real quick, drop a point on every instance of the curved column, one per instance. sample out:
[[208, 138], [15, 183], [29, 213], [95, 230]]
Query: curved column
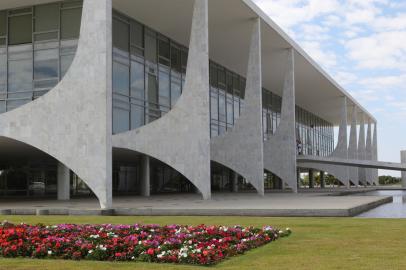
[[352, 147], [241, 148], [368, 152], [181, 138], [341, 150], [72, 122], [375, 176], [361, 151], [280, 149]]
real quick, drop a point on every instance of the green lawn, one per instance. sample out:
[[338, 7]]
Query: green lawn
[[316, 243]]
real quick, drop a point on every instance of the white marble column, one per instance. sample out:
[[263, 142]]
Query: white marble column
[[63, 182], [145, 183], [368, 152], [245, 139], [280, 149], [352, 147]]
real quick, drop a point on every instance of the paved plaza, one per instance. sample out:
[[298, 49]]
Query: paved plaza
[[250, 204]]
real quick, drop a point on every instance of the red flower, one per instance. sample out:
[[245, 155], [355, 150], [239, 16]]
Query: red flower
[[150, 251]]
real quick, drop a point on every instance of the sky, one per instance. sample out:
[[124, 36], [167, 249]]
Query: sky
[[362, 45]]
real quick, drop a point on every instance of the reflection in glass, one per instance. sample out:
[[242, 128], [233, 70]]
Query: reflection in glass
[[164, 89], [20, 72], [46, 64]]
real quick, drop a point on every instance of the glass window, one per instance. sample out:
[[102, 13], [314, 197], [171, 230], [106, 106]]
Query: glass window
[[150, 46], [230, 113], [221, 78], [184, 56], [175, 59], [46, 64], [213, 75], [20, 29], [137, 80], [222, 107], [164, 89], [46, 18], [121, 79], [137, 34], [164, 51], [70, 23], [153, 112], [20, 71], [66, 61], [137, 116], [137, 94], [3, 23], [121, 120], [3, 74], [121, 36], [2, 106], [67, 51], [236, 108], [229, 82], [176, 88], [214, 105]]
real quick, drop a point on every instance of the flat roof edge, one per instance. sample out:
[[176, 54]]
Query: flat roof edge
[[302, 52]]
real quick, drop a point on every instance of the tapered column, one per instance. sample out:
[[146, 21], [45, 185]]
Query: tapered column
[[181, 138], [72, 122], [341, 150], [280, 149], [368, 152], [403, 161], [352, 147], [145, 176], [245, 139], [63, 182], [361, 150]]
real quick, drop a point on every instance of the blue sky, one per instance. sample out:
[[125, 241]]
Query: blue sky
[[362, 44]]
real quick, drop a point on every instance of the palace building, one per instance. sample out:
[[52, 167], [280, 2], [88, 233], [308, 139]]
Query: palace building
[[141, 97]]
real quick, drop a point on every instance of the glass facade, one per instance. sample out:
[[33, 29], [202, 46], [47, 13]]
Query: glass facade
[[314, 135], [37, 46], [148, 75]]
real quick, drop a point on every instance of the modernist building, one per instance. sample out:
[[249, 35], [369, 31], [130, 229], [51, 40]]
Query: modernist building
[[154, 96]]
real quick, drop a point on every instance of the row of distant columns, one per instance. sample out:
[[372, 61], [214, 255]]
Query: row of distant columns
[[365, 150]]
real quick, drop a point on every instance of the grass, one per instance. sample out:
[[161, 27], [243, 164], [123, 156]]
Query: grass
[[316, 243]]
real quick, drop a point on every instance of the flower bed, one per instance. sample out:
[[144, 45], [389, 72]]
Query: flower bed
[[201, 244]]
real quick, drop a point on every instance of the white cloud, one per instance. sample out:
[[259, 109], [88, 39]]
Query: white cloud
[[379, 51], [289, 13], [326, 58], [395, 82], [345, 78]]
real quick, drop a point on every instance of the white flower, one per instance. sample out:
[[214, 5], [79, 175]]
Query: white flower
[[94, 236], [49, 252], [132, 258], [90, 251], [101, 247]]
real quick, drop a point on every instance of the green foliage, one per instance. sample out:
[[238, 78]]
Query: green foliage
[[389, 180]]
